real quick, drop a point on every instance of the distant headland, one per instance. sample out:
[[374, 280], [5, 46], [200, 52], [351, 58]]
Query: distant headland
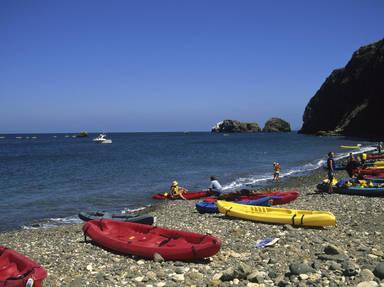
[[235, 126]]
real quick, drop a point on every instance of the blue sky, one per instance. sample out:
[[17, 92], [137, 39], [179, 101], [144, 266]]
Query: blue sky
[[171, 65]]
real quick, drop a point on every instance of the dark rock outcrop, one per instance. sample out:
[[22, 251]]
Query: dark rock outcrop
[[276, 125], [233, 126], [350, 102]]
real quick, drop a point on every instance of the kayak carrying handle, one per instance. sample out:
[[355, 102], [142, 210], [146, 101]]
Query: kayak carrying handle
[[228, 210]]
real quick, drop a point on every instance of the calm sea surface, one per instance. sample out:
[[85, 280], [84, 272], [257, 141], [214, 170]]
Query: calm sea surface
[[48, 180]]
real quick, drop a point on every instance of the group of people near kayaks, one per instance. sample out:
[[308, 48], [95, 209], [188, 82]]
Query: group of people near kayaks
[[365, 171], [136, 234]]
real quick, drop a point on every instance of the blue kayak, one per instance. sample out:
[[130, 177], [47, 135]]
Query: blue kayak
[[210, 207], [355, 190]]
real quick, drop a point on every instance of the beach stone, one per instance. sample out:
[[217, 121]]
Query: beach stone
[[288, 227], [250, 284], [303, 276], [158, 258], [228, 274], [77, 282], [214, 283], [366, 275], [151, 275], [350, 269], [243, 270], [367, 284], [195, 276], [236, 281], [178, 277], [256, 277], [337, 258], [334, 265], [217, 276], [139, 278], [333, 250], [161, 284], [379, 270], [300, 268]]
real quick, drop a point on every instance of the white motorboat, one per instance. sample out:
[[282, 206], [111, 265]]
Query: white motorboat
[[102, 138], [107, 141]]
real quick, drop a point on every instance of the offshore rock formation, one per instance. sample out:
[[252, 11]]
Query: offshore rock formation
[[276, 125], [233, 126], [350, 101]]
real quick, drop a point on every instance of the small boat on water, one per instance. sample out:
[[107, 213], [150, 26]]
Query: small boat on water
[[143, 219], [17, 270], [102, 139]]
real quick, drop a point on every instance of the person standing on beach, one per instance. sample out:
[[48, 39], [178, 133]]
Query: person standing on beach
[[331, 171], [276, 173], [215, 187]]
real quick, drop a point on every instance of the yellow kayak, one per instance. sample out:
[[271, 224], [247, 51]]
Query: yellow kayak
[[351, 146], [378, 163], [277, 215]]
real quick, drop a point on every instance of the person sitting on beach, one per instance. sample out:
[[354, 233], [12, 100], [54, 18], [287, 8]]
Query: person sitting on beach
[[276, 168], [352, 165], [177, 191], [331, 171], [215, 187]]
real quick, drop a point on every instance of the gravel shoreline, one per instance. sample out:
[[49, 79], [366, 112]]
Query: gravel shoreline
[[350, 254]]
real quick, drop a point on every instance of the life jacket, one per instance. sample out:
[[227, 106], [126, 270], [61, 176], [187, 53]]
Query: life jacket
[[174, 190], [364, 156], [348, 184], [334, 181], [277, 167]]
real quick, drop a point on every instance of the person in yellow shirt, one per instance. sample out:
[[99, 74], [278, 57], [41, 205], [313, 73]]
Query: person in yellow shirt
[[177, 191], [363, 157]]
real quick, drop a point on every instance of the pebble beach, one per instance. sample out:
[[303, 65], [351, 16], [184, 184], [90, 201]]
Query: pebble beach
[[349, 254]]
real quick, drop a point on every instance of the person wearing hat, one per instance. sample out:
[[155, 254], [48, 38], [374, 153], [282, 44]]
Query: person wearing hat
[[331, 171], [215, 187], [276, 173], [177, 191]]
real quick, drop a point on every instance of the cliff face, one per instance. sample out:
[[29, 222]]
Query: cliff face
[[233, 126], [350, 101], [276, 125]]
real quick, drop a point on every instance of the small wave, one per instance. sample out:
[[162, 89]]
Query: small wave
[[74, 219], [53, 222], [134, 210]]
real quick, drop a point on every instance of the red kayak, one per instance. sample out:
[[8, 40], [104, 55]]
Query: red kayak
[[282, 197], [375, 156], [16, 270], [144, 240], [369, 171], [187, 195]]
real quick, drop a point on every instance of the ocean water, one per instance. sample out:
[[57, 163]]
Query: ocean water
[[47, 180]]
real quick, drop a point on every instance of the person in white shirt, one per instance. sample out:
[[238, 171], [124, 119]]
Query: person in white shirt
[[215, 187]]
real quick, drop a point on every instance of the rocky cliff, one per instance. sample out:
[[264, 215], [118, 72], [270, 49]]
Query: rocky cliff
[[350, 101], [276, 125], [233, 126]]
